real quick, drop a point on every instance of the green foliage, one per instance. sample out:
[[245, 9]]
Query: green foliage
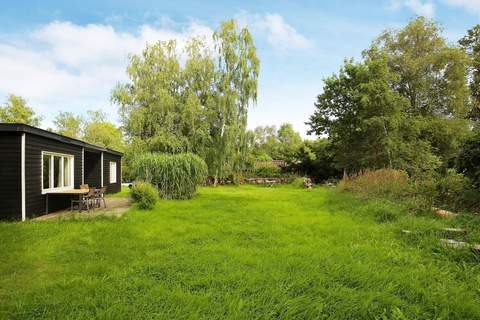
[[403, 106], [468, 161], [17, 111], [471, 43], [95, 129], [68, 124], [176, 176], [144, 195], [316, 160], [452, 191], [455, 192], [266, 170], [298, 182], [362, 116], [104, 134], [199, 106], [269, 143]]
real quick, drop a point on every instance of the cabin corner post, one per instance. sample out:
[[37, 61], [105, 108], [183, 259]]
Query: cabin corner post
[[83, 166], [24, 211], [101, 169]]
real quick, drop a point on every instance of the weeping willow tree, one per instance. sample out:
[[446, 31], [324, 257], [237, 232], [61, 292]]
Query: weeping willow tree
[[192, 100], [236, 85]]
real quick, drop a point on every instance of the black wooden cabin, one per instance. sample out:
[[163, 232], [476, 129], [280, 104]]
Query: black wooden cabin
[[34, 162]]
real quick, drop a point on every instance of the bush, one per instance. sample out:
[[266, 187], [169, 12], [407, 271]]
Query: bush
[[451, 191], [468, 161], [176, 176], [267, 170], [298, 182], [456, 192], [383, 182], [144, 194]]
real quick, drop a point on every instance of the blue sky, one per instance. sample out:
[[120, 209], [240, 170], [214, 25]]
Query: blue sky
[[68, 55]]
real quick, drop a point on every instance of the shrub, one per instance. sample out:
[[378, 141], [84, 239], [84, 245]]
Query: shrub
[[267, 170], [451, 191], [455, 191], [383, 182], [176, 176], [468, 161], [144, 194], [298, 182]]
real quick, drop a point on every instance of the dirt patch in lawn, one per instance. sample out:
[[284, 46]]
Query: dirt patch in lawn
[[116, 207]]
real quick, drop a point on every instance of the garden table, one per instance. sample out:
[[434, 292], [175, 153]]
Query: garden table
[[73, 192]]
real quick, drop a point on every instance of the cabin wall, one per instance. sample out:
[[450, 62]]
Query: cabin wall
[[93, 172], [112, 187], [35, 201], [10, 176]]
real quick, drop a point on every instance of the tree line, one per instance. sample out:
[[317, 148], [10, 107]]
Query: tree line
[[412, 102]]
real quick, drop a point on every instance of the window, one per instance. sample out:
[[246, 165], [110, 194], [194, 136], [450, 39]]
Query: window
[[113, 172], [57, 171]]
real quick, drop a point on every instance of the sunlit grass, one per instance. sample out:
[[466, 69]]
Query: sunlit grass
[[242, 253]]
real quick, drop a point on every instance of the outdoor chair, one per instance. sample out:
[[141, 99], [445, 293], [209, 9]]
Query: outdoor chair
[[84, 201], [99, 197]]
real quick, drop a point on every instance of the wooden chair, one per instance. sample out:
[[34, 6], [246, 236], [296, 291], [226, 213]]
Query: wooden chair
[[84, 201], [100, 196], [103, 191]]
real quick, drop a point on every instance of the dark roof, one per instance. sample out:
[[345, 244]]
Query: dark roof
[[18, 127]]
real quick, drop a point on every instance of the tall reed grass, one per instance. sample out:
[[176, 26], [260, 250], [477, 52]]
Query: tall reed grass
[[176, 176]]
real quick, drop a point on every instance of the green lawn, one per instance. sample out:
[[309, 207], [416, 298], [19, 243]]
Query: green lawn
[[239, 253]]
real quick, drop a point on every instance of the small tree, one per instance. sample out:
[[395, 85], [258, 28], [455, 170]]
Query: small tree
[[68, 124], [99, 131], [17, 111]]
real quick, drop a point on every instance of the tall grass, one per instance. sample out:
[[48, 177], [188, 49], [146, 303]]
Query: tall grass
[[451, 191], [240, 253], [385, 182], [176, 176]]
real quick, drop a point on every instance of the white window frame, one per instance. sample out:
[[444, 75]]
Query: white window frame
[[110, 172], [51, 165]]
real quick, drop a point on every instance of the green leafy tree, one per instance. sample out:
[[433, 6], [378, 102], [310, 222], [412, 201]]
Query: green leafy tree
[[290, 142], [270, 143], [101, 132], [361, 115], [68, 124], [17, 111], [315, 159], [403, 106], [432, 75], [200, 106], [471, 43], [264, 145]]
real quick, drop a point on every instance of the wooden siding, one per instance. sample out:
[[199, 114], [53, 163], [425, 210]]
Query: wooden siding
[[10, 176], [93, 172], [112, 187], [35, 201]]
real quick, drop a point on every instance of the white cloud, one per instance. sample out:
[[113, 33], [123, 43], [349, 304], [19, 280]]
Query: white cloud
[[278, 33], [419, 7], [64, 66], [472, 6]]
